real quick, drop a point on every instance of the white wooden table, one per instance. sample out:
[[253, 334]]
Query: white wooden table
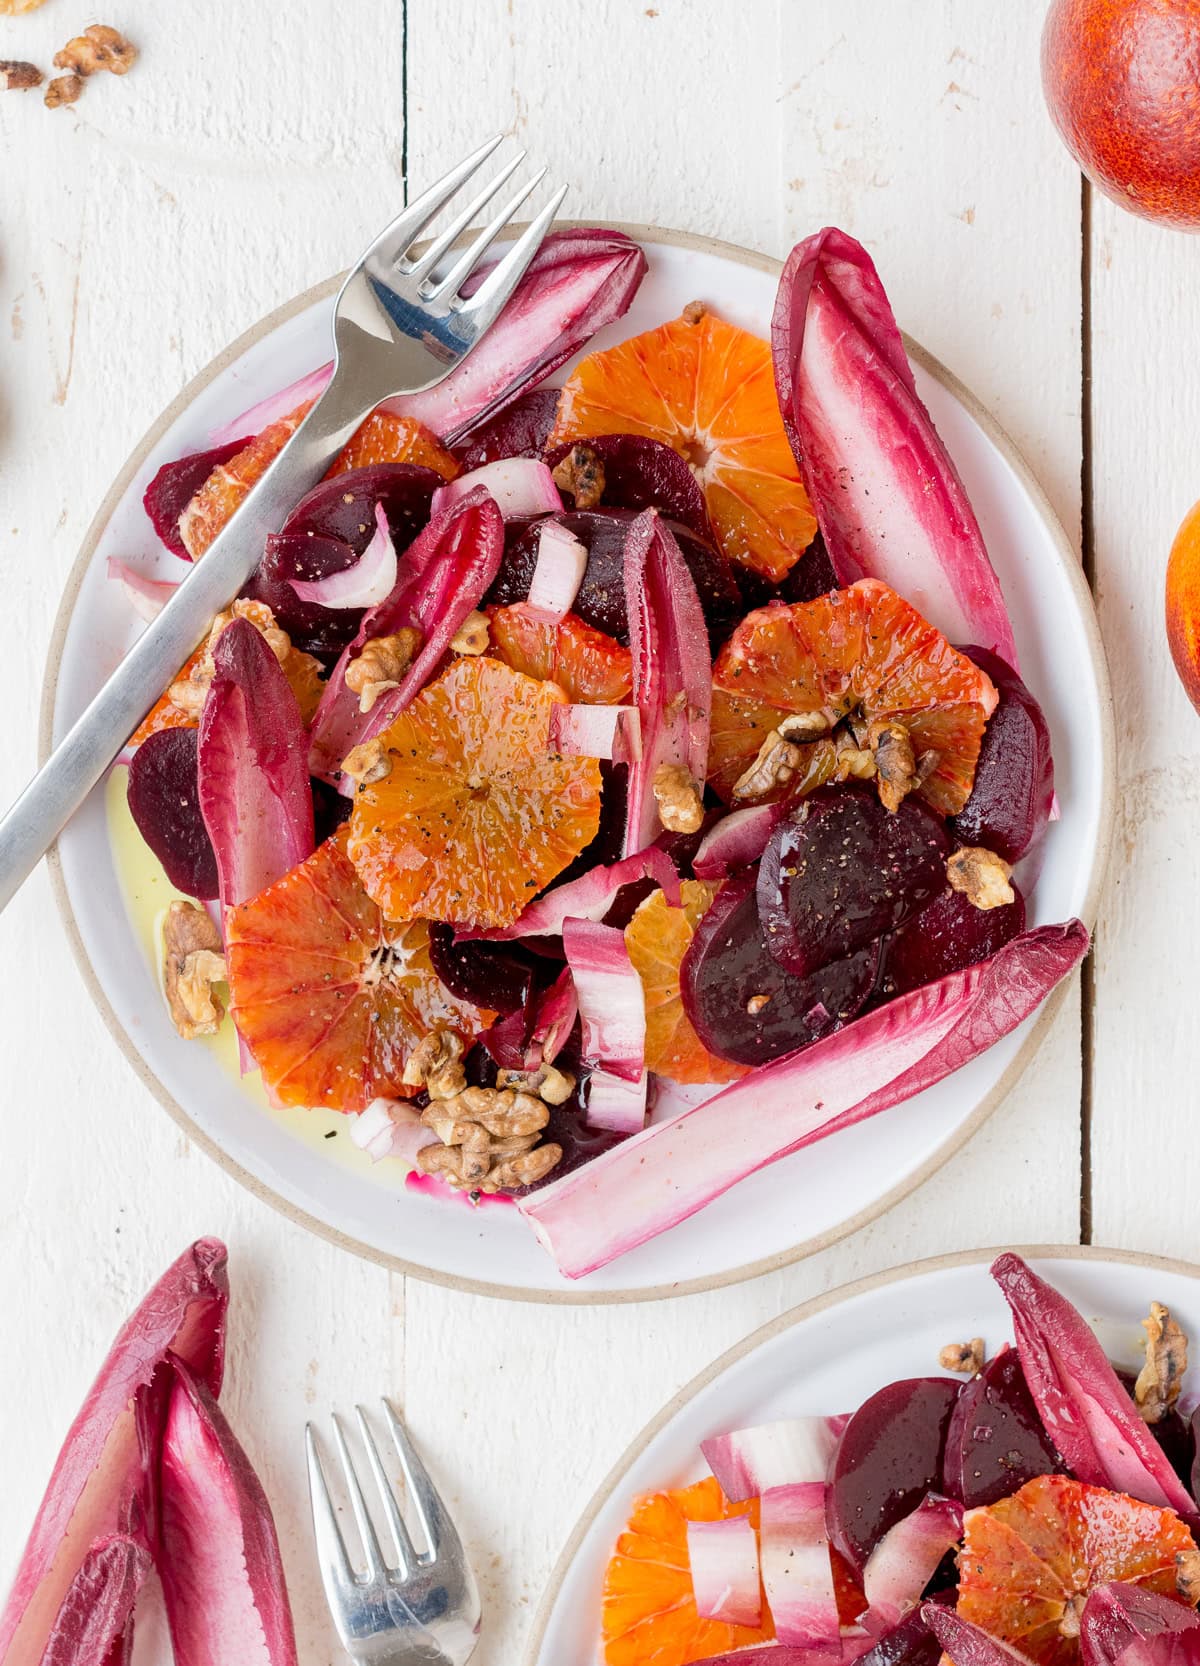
[[254, 146]]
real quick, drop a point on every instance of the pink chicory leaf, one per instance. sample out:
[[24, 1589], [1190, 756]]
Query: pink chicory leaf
[[764, 1654], [442, 576], [967, 1644], [222, 1576], [589, 897], [723, 1556], [905, 1559], [95, 1618], [614, 1102], [1123, 1625], [747, 1462], [797, 1573], [1085, 1411], [255, 794], [366, 583], [672, 670], [554, 1020], [275, 406], [146, 596], [612, 1005], [889, 500], [736, 840], [519, 486], [390, 1128], [642, 1187], [100, 1468], [595, 731], [557, 573]]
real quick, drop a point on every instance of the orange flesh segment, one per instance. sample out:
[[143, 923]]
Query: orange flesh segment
[[1028, 1562], [707, 389], [229, 483], [864, 651], [303, 672], [657, 939], [649, 1614], [476, 814], [329, 996], [590, 667], [387, 438]]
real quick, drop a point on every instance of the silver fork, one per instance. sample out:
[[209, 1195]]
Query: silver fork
[[397, 328], [423, 1608]]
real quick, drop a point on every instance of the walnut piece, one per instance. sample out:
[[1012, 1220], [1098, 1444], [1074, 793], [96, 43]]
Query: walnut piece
[[435, 1064], [380, 666], [1187, 1574], [895, 762], [966, 1357], [489, 1140], [981, 876], [193, 963], [553, 1086], [694, 312], [188, 694], [776, 763], [581, 473], [472, 636], [16, 76], [64, 89], [852, 760], [756, 1003], [680, 807], [367, 762], [99, 47], [1161, 1378]]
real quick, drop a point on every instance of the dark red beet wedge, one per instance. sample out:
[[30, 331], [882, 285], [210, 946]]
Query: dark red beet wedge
[[948, 934], [995, 1441], [176, 484], [812, 576], [840, 870], [888, 1459], [1014, 777], [641, 473], [344, 507], [727, 971], [164, 801], [911, 1643], [500, 976], [330, 809], [519, 430], [323, 631]]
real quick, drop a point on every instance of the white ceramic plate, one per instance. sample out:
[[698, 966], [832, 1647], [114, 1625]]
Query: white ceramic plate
[[833, 1187], [827, 1356]]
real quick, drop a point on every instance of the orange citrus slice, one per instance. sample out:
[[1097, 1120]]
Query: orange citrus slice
[[657, 939], [1028, 1562], [229, 483], [476, 814], [707, 389], [862, 653], [590, 667], [387, 438], [649, 1615], [329, 996]]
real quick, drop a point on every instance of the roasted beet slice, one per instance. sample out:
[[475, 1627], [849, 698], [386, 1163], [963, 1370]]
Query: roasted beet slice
[[640, 473], [323, 631], [164, 801], [840, 870], [742, 1003], [812, 576], [1014, 775], [911, 1643], [888, 1459], [948, 934], [176, 484], [519, 430], [344, 506], [995, 1441], [500, 976]]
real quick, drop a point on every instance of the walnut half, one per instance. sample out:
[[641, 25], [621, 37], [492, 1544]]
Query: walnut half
[[1161, 1378], [981, 876], [966, 1357], [99, 47], [381, 664], [193, 964]]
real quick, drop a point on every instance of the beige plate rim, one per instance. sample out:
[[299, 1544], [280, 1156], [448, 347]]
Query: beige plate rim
[[568, 1296], [786, 1321]]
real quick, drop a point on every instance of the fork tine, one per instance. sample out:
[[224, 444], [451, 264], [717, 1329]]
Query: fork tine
[[423, 267], [484, 306], [404, 1545], [470, 258], [391, 244], [331, 1550], [439, 1530], [376, 1565]]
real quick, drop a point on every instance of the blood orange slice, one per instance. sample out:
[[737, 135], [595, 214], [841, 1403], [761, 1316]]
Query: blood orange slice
[[476, 814], [587, 665], [1028, 1562], [329, 996], [657, 939], [649, 1616], [706, 389], [229, 483], [387, 438], [863, 653]]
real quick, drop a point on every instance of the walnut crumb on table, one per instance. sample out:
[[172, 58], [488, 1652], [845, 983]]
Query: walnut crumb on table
[[193, 964], [18, 76], [99, 47]]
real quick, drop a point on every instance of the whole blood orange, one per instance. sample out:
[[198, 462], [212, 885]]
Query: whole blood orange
[[587, 665], [1183, 604], [475, 814], [649, 1613], [329, 996], [1122, 79], [657, 939], [387, 438], [861, 654], [1029, 1561], [706, 389]]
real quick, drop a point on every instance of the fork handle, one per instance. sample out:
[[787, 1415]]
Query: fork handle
[[89, 747]]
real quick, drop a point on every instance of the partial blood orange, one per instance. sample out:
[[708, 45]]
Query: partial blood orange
[[386, 438], [649, 1616], [707, 389], [229, 483], [1028, 1562], [329, 996], [476, 814], [862, 654], [657, 939], [590, 667]]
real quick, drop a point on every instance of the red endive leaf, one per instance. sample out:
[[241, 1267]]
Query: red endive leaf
[[99, 1470], [93, 1624], [219, 1561], [967, 1644], [255, 795]]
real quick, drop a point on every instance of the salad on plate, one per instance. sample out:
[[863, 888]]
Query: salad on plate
[[602, 791]]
